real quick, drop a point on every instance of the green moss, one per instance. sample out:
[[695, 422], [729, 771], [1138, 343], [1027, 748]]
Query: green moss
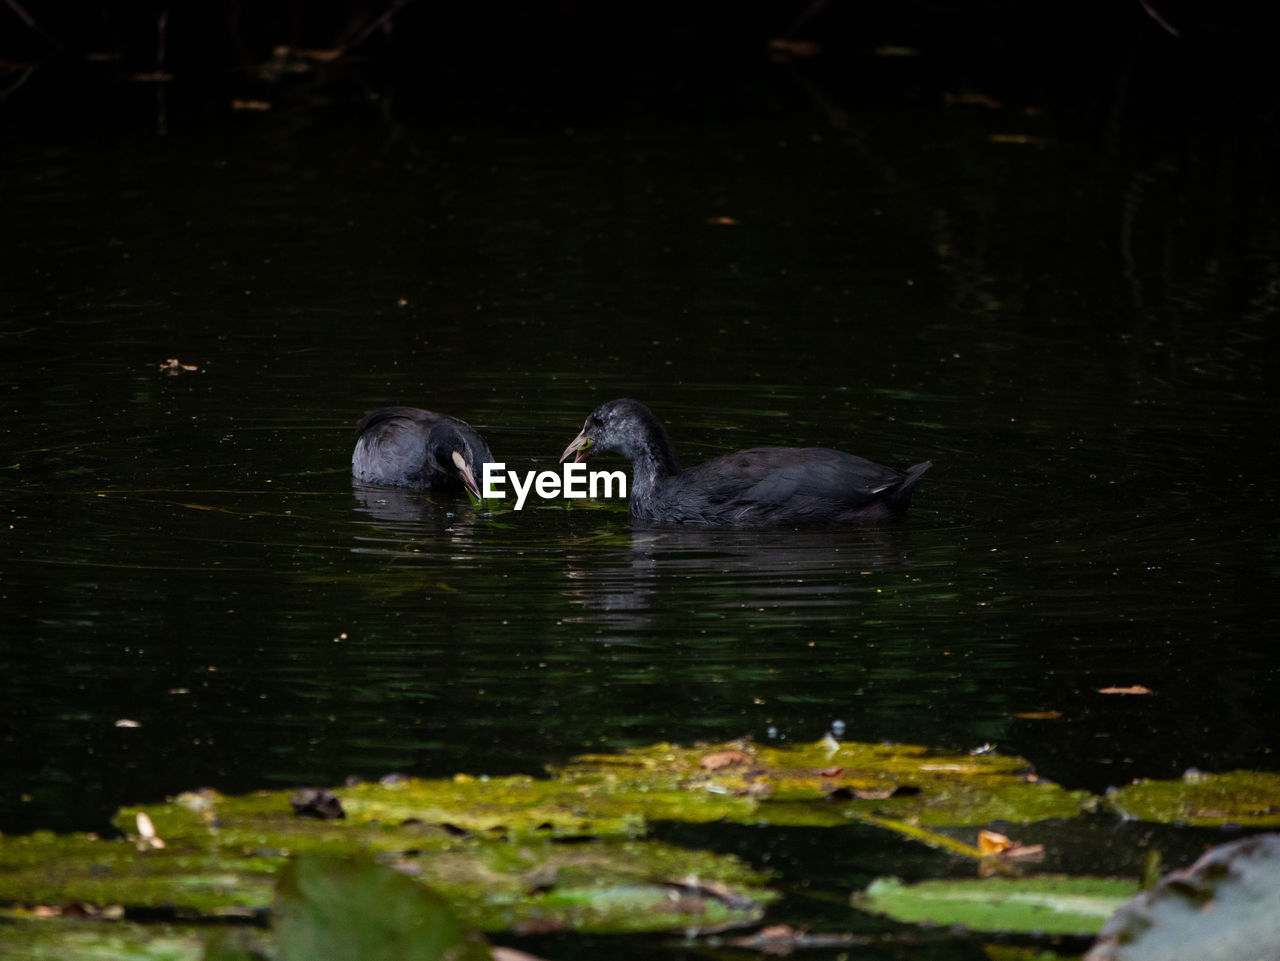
[[1248, 798], [493, 847], [82, 940], [749, 784], [490, 846]]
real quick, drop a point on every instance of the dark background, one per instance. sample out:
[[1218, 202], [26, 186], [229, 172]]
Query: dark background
[[71, 65]]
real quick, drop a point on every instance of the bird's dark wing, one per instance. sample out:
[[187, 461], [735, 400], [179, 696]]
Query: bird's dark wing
[[404, 417], [780, 485]]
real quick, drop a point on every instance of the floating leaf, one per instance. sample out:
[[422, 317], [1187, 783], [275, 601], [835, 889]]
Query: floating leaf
[[1250, 798], [764, 785], [1042, 905], [78, 941], [331, 908], [493, 846], [1132, 689], [992, 842], [222, 854]]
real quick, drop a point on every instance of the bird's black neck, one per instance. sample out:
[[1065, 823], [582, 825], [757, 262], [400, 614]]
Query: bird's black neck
[[653, 460], [653, 456]]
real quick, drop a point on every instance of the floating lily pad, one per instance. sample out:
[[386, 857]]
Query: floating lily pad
[[63, 940], [1247, 798], [345, 908], [220, 857], [494, 847], [1041, 905], [850, 780], [44, 868]]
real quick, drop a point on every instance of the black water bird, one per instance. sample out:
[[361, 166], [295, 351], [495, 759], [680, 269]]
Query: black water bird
[[761, 487], [411, 447]]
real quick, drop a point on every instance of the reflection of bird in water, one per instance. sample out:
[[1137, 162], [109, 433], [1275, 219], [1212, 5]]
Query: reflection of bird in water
[[420, 449], [811, 576], [762, 487], [415, 526], [403, 506]]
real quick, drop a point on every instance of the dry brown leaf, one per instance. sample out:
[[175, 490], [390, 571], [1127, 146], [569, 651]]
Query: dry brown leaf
[[723, 759], [323, 56], [1023, 138], [970, 98], [1039, 715], [511, 954], [777, 931], [1023, 852], [1134, 689], [796, 48], [990, 842], [895, 50]]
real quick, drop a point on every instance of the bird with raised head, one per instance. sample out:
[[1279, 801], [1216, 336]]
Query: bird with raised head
[[761, 487]]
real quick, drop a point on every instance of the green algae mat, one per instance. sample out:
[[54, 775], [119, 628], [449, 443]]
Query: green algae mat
[[572, 851]]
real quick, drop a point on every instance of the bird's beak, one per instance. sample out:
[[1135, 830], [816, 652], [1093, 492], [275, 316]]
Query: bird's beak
[[580, 447], [468, 477]]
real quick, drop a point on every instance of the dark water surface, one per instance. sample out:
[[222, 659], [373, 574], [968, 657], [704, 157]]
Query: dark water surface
[[1073, 316]]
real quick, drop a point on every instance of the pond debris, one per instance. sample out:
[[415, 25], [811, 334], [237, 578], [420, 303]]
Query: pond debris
[[798, 49], [147, 837], [782, 939], [723, 759], [1131, 689], [1000, 854], [512, 954], [991, 842], [173, 367], [79, 910], [314, 802]]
